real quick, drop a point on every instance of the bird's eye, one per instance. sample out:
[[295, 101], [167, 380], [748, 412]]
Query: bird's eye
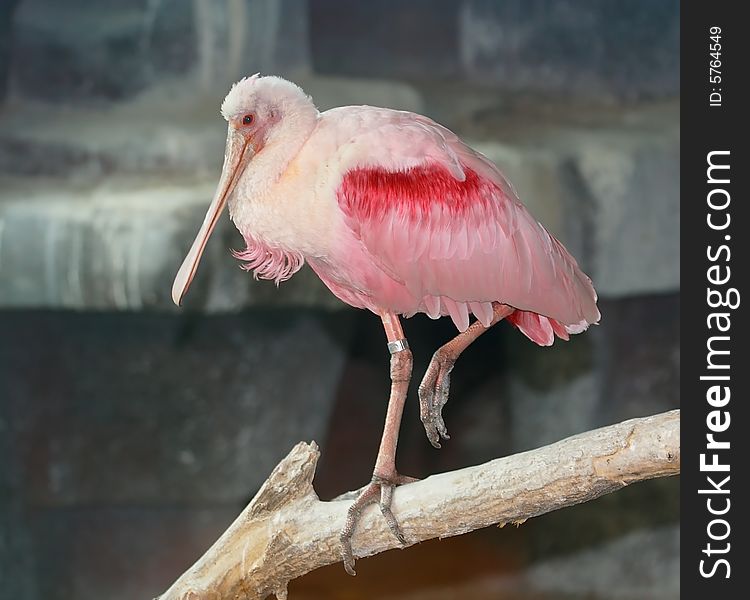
[[247, 119]]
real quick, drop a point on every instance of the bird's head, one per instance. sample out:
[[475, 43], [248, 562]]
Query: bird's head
[[264, 113]]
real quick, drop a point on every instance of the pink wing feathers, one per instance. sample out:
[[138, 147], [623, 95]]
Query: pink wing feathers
[[449, 227]]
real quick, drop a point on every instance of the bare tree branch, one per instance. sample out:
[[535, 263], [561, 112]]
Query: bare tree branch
[[286, 531]]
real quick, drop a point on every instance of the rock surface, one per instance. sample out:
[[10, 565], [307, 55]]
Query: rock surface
[[628, 365], [112, 50], [607, 49], [642, 564], [112, 410]]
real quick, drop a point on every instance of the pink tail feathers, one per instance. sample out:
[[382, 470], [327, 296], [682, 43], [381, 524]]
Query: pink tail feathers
[[541, 329]]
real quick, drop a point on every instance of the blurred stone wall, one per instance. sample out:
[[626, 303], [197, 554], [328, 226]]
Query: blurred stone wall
[[131, 439], [606, 48], [131, 432], [90, 52]]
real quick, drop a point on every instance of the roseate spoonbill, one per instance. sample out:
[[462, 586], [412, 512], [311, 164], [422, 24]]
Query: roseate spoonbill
[[396, 215]]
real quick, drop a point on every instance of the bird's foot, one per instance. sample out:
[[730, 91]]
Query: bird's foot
[[433, 394], [379, 490]]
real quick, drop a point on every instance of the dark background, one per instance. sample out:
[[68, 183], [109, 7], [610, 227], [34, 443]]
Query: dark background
[[713, 128], [132, 433]]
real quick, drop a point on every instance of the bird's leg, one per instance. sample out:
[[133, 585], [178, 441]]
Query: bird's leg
[[384, 477], [433, 391]]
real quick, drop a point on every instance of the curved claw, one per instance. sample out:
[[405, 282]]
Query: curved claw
[[379, 486], [386, 497], [366, 496], [433, 396]]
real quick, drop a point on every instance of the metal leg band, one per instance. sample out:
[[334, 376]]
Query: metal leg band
[[398, 346]]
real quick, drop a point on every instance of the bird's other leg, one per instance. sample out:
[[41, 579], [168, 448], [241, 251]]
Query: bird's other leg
[[384, 477], [433, 391]]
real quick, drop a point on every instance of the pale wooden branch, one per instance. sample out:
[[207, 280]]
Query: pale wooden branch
[[286, 531]]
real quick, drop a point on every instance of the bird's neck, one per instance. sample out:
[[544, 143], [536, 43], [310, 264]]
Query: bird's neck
[[262, 198], [268, 166]]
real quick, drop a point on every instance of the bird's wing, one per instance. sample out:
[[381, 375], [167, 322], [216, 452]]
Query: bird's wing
[[441, 218]]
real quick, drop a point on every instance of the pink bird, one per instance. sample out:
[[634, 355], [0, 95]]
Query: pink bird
[[397, 215]]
